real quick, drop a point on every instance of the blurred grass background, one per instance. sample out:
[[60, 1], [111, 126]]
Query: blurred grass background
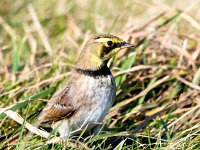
[[158, 98]]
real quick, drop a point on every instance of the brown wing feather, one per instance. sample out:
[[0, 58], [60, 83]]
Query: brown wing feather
[[58, 107]]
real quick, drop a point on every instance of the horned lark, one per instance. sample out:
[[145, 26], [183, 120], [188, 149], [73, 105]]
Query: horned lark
[[90, 92]]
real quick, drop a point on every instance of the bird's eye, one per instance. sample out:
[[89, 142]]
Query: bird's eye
[[110, 43]]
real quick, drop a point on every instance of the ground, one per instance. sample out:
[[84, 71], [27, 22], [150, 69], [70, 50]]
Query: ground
[[158, 93]]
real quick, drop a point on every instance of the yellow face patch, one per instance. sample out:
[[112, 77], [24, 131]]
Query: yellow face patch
[[108, 46]]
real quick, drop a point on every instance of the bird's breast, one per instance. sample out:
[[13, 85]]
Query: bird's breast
[[95, 96]]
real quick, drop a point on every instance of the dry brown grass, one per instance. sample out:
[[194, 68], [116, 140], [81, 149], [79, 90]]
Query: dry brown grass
[[158, 98]]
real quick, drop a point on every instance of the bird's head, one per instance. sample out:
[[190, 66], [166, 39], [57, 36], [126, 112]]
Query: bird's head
[[98, 50]]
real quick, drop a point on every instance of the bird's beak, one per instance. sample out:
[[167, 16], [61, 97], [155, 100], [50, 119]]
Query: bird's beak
[[127, 45]]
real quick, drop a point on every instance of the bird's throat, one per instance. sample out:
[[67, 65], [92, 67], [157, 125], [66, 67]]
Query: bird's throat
[[92, 65], [90, 62]]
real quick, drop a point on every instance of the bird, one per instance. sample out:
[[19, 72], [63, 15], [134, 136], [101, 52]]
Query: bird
[[90, 92]]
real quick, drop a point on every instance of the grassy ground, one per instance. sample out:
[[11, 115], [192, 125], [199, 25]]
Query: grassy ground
[[158, 94]]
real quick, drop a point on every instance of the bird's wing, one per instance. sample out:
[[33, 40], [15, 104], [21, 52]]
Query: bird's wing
[[57, 108]]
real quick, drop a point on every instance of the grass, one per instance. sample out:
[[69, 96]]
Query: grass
[[158, 93]]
